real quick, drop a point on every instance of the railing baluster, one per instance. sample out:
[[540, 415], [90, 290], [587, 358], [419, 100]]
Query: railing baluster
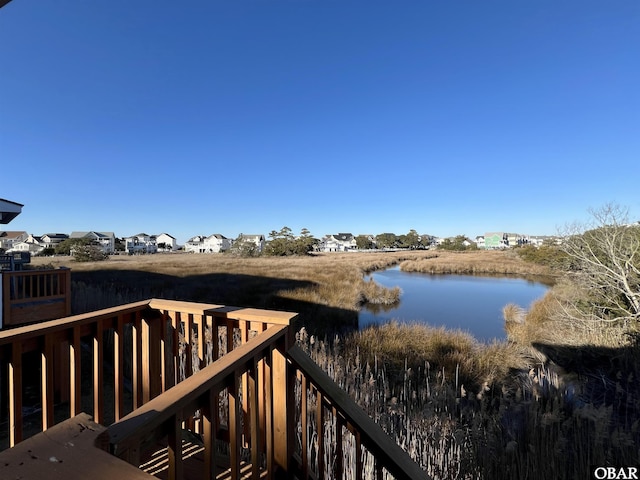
[[136, 361], [164, 370], [359, 453], [98, 372], [202, 345], [210, 433], [320, 433], [339, 465], [15, 394], [254, 423], [268, 420], [75, 372], [304, 421], [174, 448], [188, 349], [47, 382], [118, 368], [175, 332], [235, 426]]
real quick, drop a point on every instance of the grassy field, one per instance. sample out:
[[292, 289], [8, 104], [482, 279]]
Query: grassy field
[[327, 290], [555, 398]]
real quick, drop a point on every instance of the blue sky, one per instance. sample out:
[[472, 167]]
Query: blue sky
[[207, 116]]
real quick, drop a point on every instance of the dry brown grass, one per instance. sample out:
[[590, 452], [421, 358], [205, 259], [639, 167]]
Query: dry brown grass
[[481, 262], [326, 289]]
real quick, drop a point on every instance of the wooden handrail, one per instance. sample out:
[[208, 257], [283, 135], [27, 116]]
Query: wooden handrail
[[179, 358]]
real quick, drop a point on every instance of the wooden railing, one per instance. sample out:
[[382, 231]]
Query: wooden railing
[[34, 295], [230, 378]]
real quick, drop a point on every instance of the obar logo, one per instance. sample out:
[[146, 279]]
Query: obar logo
[[614, 473]]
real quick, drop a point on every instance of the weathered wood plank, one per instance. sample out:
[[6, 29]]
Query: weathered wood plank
[[66, 451]]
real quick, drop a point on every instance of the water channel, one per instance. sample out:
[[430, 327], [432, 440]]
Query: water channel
[[466, 302]]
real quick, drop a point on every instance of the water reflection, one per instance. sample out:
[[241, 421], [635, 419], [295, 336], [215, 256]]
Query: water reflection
[[466, 302]]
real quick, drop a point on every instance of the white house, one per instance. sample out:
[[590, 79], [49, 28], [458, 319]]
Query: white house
[[51, 240], [340, 242], [259, 240], [217, 243], [141, 243], [195, 244], [105, 240], [8, 239], [166, 242], [32, 244]]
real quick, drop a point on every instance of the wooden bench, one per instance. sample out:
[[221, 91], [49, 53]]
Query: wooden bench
[[66, 451]]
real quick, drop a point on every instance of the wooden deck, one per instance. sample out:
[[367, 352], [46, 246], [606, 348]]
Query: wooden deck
[[183, 390], [66, 451]]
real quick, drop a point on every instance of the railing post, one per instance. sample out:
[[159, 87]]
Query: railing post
[[283, 381]]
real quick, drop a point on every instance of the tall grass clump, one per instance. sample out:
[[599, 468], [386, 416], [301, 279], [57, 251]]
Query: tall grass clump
[[524, 408]]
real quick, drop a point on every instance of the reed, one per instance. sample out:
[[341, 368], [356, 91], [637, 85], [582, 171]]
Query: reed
[[526, 420], [327, 290], [558, 396], [476, 263]]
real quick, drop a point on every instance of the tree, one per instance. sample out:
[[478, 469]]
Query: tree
[[386, 240], [364, 242], [242, 247], [89, 253], [605, 263], [410, 240], [458, 243], [66, 246], [283, 243]]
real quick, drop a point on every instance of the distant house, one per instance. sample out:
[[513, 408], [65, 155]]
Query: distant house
[[480, 241], [215, 243], [496, 240], [32, 244], [259, 240], [105, 240], [8, 239], [51, 240], [166, 242], [141, 243], [195, 244], [340, 242]]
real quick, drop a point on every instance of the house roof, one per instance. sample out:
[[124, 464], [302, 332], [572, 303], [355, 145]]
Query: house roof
[[14, 234], [91, 234], [9, 210], [218, 236], [56, 235], [344, 237]]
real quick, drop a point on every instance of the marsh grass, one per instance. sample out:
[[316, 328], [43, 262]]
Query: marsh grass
[[516, 418], [475, 263], [555, 398], [327, 290]]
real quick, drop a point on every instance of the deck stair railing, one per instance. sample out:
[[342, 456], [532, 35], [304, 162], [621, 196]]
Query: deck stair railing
[[229, 378]]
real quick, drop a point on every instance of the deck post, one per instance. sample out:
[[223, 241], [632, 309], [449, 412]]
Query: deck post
[[283, 381]]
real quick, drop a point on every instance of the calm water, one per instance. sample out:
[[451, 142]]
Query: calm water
[[470, 303]]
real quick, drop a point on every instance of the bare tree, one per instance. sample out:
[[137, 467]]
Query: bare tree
[[605, 264]]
